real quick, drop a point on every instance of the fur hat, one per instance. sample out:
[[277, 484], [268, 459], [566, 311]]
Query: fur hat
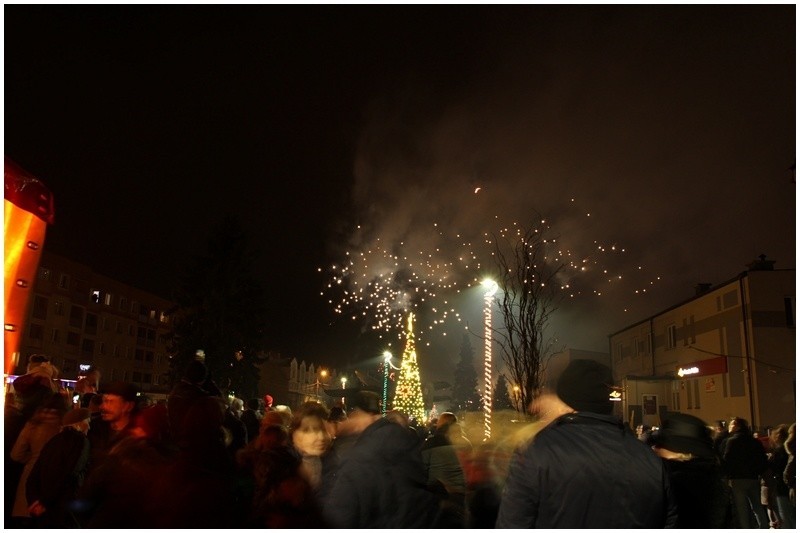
[[73, 416], [585, 385], [683, 433]]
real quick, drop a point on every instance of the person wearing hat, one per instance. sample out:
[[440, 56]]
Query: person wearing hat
[[586, 468], [685, 443], [59, 473], [117, 410], [380, 481]]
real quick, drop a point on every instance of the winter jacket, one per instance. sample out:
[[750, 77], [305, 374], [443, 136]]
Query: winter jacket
[[57, 476], [776, 467], [41, 428], [744, 457], [700, 493], [441, 463], [586, 470], [380, 483]]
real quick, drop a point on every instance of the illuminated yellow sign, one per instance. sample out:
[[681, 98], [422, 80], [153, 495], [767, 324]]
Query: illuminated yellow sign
[[687, 371]]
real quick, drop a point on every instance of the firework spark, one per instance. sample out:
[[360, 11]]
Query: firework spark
[[380, 283]]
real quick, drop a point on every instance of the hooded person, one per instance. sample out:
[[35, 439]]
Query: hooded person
[[586, 468]]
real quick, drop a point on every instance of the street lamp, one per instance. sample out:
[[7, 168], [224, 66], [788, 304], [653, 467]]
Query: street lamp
[[344, 381], [387, 356], [516, 398], [322, 374], [488, 299]]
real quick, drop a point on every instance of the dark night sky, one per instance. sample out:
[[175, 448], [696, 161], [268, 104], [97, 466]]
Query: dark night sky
[[674, 126]]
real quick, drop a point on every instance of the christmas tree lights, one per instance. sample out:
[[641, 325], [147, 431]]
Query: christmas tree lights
[[408, 394]]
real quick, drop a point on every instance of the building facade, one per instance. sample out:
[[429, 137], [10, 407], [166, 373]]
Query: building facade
[[292, 383], [728, 351], [82, 319]]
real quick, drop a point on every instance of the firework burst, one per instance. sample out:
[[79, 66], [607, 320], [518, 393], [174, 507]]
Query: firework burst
[[382, 282]]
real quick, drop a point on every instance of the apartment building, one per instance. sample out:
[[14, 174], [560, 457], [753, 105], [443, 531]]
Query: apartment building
[[728, 351], [80, 318]]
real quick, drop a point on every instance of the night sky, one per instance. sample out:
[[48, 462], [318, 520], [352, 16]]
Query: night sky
[[664, 131]]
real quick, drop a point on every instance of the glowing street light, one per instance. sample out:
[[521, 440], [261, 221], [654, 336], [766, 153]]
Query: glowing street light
[[344, 382], [488, 299], [516, 398]]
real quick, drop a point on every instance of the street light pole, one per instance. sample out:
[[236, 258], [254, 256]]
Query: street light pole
[[387, 356], [322, 373], [488, 299], [344, 381]]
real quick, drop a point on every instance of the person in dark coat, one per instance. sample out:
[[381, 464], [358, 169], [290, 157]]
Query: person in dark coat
[[59, 472], [586, 469], [684, 442], [380, 482], [251, 419], [743, 462], [237, 432], [777, 487], [442, 466], [117, 412]]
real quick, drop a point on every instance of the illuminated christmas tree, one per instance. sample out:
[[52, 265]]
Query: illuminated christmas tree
[[408, 393]]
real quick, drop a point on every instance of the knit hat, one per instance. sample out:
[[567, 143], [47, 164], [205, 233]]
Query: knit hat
[[585, 385], [683, 433], [74, 416]]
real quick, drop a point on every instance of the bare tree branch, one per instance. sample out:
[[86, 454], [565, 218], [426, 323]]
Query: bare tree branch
[[530, 295]]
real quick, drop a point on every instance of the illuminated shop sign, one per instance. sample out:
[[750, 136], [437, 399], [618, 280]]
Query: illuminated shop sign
[[707, 367]]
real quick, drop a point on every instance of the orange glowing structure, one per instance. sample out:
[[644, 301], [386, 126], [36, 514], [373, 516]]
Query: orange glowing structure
[[28, 209]]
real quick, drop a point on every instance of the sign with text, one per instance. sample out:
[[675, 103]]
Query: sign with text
[[707, 367]]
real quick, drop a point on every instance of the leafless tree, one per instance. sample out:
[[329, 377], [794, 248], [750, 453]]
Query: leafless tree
[[528, 294]]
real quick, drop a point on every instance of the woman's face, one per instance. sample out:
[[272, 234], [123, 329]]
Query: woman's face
[[311, 437]]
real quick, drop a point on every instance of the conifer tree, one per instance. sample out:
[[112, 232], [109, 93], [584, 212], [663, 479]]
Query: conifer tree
[[501, 399], [465, 382], [408, 393]]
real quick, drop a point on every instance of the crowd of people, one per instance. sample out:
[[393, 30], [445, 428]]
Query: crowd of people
[[107, 458]]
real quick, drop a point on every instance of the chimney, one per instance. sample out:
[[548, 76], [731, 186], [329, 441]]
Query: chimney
[[701, 288], [761, 264]]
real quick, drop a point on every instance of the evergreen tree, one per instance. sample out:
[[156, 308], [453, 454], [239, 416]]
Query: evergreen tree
[[220, 308], [465, 383], [408, 393], [501, 399]]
